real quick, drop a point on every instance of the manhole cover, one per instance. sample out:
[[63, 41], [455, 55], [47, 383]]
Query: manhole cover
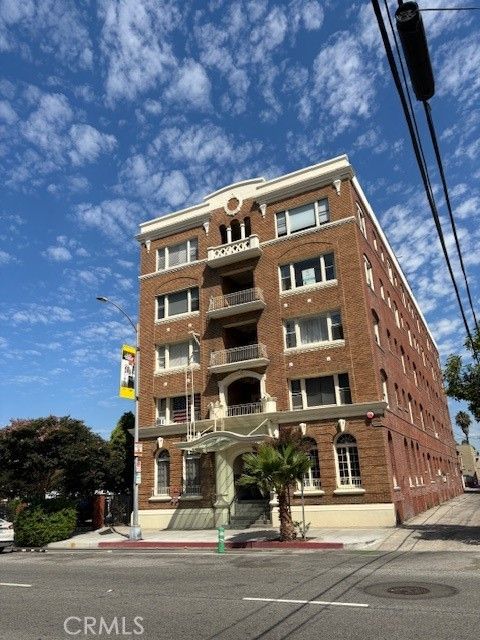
[[410, 590]]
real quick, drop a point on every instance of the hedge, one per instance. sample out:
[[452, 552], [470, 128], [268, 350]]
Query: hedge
[[34, 527]]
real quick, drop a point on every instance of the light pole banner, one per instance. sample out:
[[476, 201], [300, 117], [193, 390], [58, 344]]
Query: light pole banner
[[127, 373]]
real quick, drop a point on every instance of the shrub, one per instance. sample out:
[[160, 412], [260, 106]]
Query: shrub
[[34, 527]]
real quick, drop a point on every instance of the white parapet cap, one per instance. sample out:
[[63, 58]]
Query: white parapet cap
[[259, 189]]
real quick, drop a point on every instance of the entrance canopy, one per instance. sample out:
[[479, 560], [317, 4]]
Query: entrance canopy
[[220, 440]]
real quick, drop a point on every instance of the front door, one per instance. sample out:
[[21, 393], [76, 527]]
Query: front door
[[244, 493]]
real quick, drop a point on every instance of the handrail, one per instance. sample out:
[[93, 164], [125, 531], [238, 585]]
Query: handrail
[[238, 297]]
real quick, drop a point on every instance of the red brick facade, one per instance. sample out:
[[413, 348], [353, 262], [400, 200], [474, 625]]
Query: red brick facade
[[406, 460]]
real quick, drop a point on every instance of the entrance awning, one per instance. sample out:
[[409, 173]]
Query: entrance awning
[[220, 440]]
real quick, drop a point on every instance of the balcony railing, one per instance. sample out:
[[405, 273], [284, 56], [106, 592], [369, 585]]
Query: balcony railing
[[191, 489], [312, 483], [233, 299], [230, 357], [243, 249], [244, 409]]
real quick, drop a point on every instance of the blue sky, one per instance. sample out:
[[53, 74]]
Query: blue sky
[[116, 111]]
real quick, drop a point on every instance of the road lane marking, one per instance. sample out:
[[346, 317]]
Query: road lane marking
[[14, 584], [322, 602]]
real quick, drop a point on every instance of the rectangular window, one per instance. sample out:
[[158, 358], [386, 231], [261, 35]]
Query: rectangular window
[[317, 392], [177, 409], [313, 330], [307, 272], [177, 303], [175, 356], [306, 216], [177, 254]]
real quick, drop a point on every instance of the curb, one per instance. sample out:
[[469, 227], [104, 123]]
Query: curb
[[247, 544]]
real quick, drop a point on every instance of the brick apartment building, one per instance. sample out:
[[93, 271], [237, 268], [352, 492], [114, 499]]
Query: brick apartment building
[[278, 303]]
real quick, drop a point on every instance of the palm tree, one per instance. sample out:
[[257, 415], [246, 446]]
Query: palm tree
[[276, 466], [464, 421]]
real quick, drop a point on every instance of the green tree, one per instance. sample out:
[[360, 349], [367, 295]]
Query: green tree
[[462, 379], [464, 421], [121, 448], [51, 454], [275, 466]]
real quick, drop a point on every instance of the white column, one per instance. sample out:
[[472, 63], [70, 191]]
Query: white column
[[222, 478], [229, 235], [242, 230]]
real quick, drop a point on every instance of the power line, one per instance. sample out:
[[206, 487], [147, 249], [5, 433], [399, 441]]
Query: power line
[[418, 155], [422, 76], [433, 135]]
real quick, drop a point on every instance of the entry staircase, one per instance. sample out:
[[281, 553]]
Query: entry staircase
[[250, 513]]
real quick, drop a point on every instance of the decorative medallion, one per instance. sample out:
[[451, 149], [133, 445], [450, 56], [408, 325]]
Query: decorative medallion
[[233, 206]]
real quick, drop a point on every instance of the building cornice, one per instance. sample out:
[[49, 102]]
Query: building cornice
[[261, 190]]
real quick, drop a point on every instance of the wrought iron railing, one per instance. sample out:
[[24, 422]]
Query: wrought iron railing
[[244, 409], [238, 354], [236, 298]]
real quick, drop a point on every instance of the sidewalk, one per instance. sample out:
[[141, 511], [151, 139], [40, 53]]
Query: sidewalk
[[452, 526], [255, 538]]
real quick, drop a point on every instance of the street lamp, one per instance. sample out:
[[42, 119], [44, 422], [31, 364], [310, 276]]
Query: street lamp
[[135, 530]]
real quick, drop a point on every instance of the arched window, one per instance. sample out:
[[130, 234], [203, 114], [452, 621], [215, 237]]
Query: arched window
[[191, 474], [311, 480], [393, 461], [223, 234], [384, 381], [162, 484], [376, 327], [248, 227], [348, 464], [236, 231]]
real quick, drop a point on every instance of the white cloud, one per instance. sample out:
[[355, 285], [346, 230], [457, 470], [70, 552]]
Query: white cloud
[[343, 82], [190, 85], [117, 219], [89, 143], [58, 254], [457, 73], [5, 257], [56, 26], [40, 314], [46, 126], [7, 113], [468, 208], [135, 45]]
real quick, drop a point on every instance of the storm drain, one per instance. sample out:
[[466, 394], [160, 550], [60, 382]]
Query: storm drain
[[410, 590]]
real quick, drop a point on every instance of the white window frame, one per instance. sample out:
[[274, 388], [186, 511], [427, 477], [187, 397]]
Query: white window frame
[[193, 356], [368, 273], [192, 456], [384, 381], [323, 282], [312, 482], [297, 330], [352, 484], [169, 407], [166, 297], [376, 328], [303, 392], [361, 220], [167, 463], [190, 244], [396, 314], [287, 213]]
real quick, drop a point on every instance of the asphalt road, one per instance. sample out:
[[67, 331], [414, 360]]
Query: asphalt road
[[207, 596]]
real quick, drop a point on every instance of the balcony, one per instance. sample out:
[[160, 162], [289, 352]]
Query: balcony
[[232, 252], [252, 355], [235, 303]]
